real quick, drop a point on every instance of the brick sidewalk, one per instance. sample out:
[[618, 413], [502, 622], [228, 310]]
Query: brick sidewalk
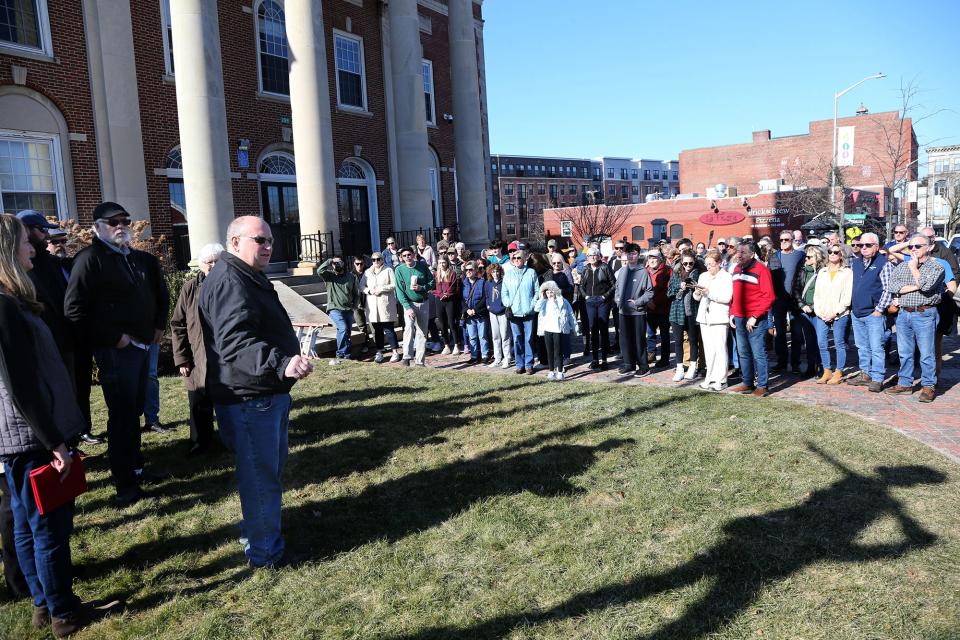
[[936, 424]]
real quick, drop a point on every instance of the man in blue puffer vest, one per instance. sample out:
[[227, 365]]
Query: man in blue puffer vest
[[871, 272]]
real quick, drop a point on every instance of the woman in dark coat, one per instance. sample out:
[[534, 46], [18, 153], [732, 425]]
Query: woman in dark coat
[[39, 421], [189, 355]]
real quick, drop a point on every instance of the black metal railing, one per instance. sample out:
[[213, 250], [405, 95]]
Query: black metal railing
[[316, 247]]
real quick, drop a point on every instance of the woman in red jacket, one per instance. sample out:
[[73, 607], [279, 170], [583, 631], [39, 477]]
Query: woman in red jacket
[[449, 302]]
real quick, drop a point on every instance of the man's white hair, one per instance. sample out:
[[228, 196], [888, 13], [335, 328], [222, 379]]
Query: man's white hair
[[212, 250], [870, 237]]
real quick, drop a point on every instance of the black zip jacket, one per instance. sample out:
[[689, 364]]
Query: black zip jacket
[[246, 332], [110, 294], [597, 282], [51, 284]]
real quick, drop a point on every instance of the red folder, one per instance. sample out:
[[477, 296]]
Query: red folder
[[49, 493]]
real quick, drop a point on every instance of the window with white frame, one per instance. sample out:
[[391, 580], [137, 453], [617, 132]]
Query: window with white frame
[[167, 36], [174, 167], [31, 174], [351, 84], [272, 47], [428, 100], [24, 24]]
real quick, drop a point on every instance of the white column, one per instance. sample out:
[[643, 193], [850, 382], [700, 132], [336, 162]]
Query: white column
[[201, 111], [413, 155], [310, 111], [116, 105], [468, 126]]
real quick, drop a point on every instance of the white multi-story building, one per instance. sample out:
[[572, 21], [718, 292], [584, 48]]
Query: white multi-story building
[[943, 185]]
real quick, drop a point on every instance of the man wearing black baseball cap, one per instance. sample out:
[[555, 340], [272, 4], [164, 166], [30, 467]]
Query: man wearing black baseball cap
[[117, 298]]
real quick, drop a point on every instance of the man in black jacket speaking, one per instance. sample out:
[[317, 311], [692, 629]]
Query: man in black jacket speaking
[[253, 360], [118, 300]]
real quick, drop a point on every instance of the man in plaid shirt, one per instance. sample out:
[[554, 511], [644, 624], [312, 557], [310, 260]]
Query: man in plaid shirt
[[918, 283]]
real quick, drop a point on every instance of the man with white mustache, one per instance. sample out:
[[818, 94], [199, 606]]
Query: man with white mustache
[[118, 299]]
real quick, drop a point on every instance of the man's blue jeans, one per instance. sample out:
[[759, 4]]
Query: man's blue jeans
[[151, 401], [522, 330], [917, 328], [477, 338], [752, 351], [42, 542], [343, 321], [868, 335], [256, 431], [839, 329], [123, 380]]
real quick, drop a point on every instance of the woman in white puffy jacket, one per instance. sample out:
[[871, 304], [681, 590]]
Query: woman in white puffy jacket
[[379, 288], [714, 291], [831, 304]]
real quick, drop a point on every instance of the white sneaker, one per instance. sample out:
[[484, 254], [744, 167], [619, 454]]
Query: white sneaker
[[505, 364], [559, 376], [550, 376], [704, 385], [691, 373], [494, 364], [446, 351], [456, 351], [378, 358], [678, 376], [395, 357], [334, 362]]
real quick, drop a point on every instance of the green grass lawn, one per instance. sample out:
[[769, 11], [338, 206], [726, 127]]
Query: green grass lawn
[[436, 504]]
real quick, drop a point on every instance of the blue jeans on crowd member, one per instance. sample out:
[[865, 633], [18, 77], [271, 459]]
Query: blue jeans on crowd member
[[868, 335], [732, 349], [917, 328], [343, 321], [752, 348], [839, 329], [477, 339], [123, 380], [42, 542], [151, 401], [522, 330], [256, 431], [805, 323], [598, 319]]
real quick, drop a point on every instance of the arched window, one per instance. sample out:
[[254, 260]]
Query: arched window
[[351, 170], [676, 231], [278, 165], [636, 234], [272, 46]]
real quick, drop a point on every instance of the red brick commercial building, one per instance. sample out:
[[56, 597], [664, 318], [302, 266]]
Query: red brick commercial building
[[770, 184], [346, 117]]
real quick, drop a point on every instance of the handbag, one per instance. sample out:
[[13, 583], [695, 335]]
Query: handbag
[[49, 492]]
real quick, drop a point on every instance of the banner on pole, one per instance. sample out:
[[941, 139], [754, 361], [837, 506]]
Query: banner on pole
[[845, 146]]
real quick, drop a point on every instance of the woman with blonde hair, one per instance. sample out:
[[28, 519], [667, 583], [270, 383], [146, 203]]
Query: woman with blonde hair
[[714, 291], [42, 422], [831, 304], [425, 251], [380, 296], [804, 287]]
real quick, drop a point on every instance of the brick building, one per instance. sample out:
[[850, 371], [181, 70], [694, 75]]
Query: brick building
[[347, 117], [770, 184], [883, 157]]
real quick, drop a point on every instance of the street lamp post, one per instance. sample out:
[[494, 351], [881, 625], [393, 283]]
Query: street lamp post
[[833, 163]]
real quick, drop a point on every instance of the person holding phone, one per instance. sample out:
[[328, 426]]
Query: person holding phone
[[37, 428], [683, 312]]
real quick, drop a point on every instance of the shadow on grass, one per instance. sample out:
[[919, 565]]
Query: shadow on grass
[[756, 552]]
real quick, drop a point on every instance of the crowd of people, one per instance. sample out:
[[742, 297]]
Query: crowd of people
[[712, 313]]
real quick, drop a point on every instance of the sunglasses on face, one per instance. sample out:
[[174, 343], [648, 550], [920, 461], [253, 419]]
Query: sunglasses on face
[[406, 255], [811, 257], [917, 246], [469, 269], [116, 222], [898, 232], [856, 245], [619, 248], [687, 264], [834, 253], [260, 240], [358, 264], [786, 239], [517, 259], [378, 259], [868, 244]]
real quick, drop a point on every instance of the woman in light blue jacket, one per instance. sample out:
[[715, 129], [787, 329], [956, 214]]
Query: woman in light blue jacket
[[555, 319]]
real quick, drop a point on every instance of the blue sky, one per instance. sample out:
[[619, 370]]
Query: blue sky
[[648, 79]]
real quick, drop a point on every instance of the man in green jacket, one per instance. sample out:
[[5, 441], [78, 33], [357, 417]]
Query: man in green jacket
[[342, 298], [414, 282]]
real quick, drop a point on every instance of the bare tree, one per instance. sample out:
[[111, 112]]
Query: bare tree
[[949, 188], [589, 220]]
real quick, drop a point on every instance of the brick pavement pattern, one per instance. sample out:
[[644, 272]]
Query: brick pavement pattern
[[936, 424]]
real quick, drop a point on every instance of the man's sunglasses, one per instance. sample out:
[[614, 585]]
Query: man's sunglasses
[[917, 246], [358, 264], [868, 244], [116, 222], [377, 259], [856, 245], [687, 264], [260, 240]]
